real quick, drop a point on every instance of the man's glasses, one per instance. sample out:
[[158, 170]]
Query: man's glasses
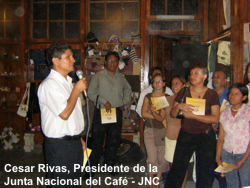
[[112, 61]]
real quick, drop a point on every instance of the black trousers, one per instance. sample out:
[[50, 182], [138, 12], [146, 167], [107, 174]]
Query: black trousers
[[113, 137], [63, 153], [204, 146]]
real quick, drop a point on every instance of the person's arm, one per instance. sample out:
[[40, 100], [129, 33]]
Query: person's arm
[[140, 103], [213, 118], [159, 115], [83, 144], [71, 102], [93, 90], [180, 106], [146, 110], [245, 157], [126, 92], [220, 143], [169, 91]]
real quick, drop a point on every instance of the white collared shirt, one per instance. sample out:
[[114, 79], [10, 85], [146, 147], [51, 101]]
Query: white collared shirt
[[144, 92], [53, 94]]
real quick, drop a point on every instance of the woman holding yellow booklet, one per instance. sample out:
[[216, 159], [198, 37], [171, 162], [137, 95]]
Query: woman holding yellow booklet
[[154, 132], [196, 134], [234, 137]]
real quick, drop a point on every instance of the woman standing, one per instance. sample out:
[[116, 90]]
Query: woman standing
[[247, 81], [173, 124], [233, 143], [196, 134], [154, 132]]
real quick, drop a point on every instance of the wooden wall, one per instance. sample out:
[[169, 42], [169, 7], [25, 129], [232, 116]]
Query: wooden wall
[[240, 14]]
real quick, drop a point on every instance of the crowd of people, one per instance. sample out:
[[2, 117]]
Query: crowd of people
[[172, 134], [226, 116]]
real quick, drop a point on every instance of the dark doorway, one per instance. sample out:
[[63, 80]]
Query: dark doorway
[[183, 55], [175, 54]]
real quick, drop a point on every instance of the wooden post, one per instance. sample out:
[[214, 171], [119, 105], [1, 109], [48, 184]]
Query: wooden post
[[205, 20], [236, 42], [144, 43]]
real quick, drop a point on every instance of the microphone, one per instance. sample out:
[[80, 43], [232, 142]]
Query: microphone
[[79, 74]]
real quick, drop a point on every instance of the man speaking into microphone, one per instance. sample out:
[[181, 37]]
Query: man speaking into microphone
[[61, 114]]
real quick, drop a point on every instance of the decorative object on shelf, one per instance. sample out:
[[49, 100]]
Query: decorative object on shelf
[[4, 103], [28, 142], [8, 138], [91, 37], [5, 89], [136, 37], [133, 56], [24, 105], [121, 65], [114, 39], [125, 54]]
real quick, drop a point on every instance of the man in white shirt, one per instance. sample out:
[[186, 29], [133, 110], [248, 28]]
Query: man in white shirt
[[149, 89], [61, 115]]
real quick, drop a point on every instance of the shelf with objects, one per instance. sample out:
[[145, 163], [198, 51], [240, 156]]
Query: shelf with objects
[[11, 89]]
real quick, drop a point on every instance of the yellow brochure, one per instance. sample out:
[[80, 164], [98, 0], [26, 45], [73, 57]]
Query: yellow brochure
[[164, 122], [224, 104], [225, 168], [85, 156], [159, 102], [199, 105], [108, 117]]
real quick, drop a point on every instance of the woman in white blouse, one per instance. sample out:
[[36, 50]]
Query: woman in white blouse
[[234, 136]]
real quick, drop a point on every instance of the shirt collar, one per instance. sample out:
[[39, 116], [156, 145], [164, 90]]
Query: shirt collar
[[242, 108], [59, 77], [107, 73], [223, 95]]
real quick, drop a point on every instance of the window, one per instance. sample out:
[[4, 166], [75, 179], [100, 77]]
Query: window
[[108, 17], [174, 7], [10, 13], [174, 15], [57, 19]]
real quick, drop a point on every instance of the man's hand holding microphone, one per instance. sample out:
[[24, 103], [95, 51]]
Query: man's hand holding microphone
[[82, 84]]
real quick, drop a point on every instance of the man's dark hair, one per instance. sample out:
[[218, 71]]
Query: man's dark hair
[[243, 89], [204, 69], [221, 70], [246, 81], [56, 50], [110, 53], [150, 74]]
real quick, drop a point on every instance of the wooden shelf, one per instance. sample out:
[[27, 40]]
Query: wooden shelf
[[129, 134], [8, 109]]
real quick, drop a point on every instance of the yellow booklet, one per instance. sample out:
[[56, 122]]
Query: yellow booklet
[[159, 102], [108, 117], [224, 104], [164, 122], [225, 168], [85, 156], [199, 105]]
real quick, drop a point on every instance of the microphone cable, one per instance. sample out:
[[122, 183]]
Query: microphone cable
[[87, 135]]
